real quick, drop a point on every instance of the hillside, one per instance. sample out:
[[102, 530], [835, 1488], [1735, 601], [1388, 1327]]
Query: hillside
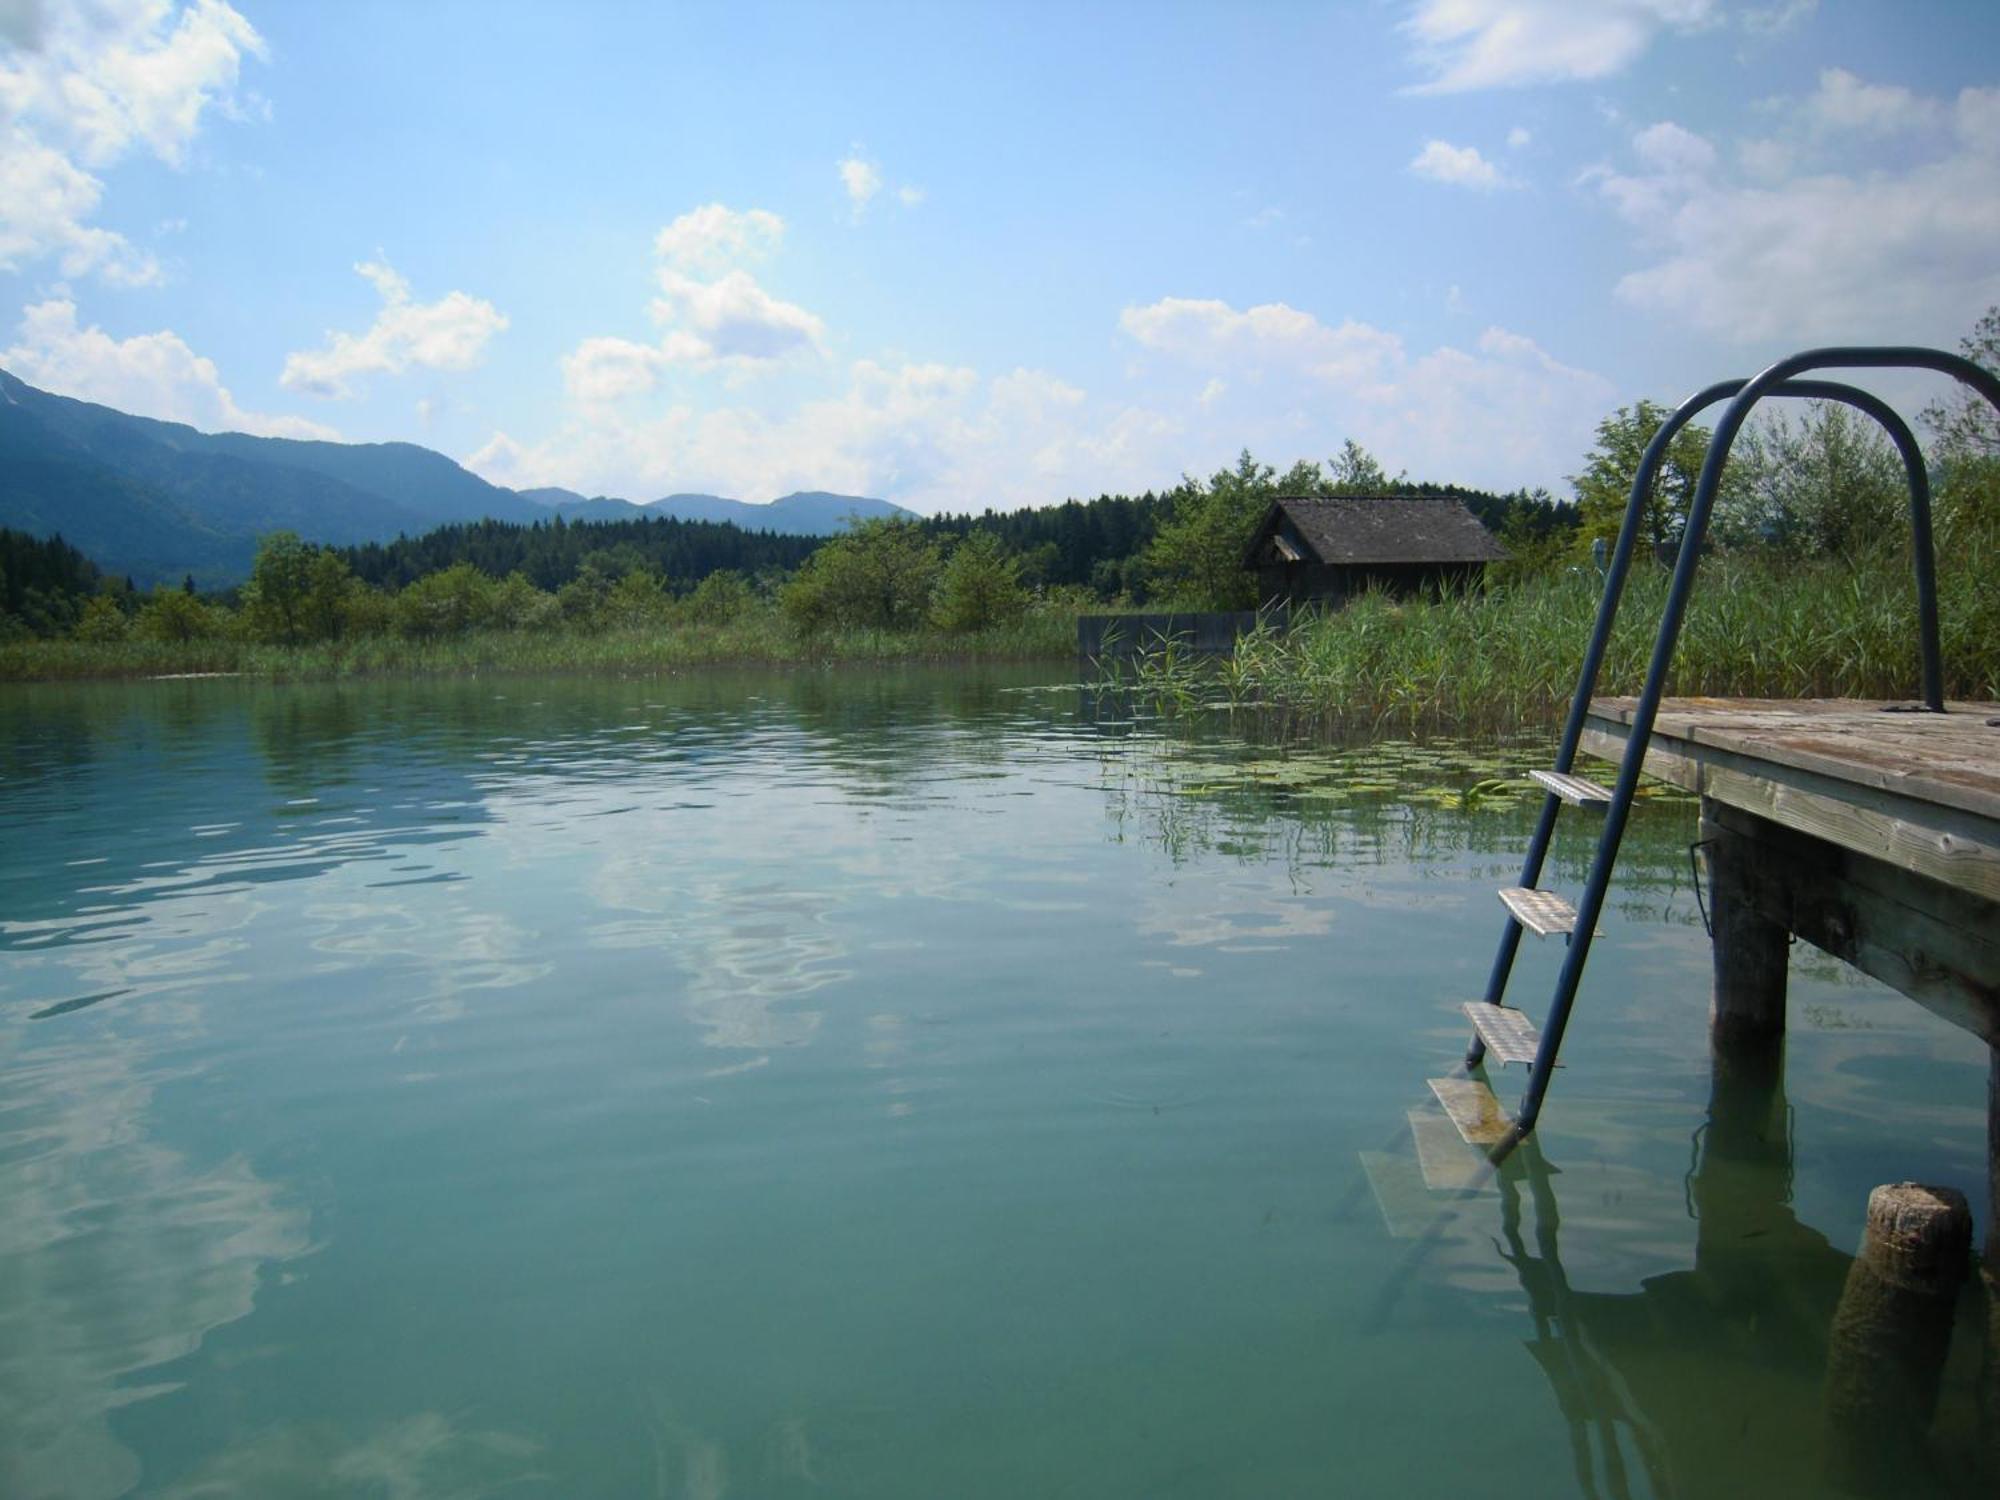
[[159, 500]]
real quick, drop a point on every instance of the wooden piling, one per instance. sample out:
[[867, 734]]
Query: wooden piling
[[1886, 1354], [1752, 953]]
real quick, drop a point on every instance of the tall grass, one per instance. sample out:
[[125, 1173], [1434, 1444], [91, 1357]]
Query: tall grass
[[1511, 655], [760, 638]]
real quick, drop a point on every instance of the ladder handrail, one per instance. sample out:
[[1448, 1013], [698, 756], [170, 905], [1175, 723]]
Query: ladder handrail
[[1643, 479], [1640, 732]]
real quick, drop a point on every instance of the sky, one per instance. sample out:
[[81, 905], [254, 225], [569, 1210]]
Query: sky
[[962, 256]]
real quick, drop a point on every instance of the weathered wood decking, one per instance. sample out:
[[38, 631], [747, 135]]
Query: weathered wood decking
[[1871, 833]]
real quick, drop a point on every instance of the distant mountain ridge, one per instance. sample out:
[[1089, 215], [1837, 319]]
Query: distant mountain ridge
[[158, 500], [803, 512]]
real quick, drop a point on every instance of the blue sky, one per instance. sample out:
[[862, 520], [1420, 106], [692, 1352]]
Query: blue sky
[[959, 255]]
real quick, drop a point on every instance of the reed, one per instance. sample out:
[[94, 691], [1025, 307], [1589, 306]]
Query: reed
[[760, 638], [1510, 655]]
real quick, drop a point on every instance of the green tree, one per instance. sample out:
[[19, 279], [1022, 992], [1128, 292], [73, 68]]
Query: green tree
[[1356, 471], [638, 600], [980, 586], [103, 620], [879, 573], [323, 613], [446, 603], [171, 614], [720, 599], [1196, 557], [518, 605], [281, 580], [1822, 481], [1606, 481], [1965, 434]]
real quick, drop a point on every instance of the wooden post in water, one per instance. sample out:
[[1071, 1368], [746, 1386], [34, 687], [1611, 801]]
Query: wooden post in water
[[1886, 1353], [1751, 952]]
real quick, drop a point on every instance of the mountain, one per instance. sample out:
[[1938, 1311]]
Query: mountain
[[804, 512], [158, 500]]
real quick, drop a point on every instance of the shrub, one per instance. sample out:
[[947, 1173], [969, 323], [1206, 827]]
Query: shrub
[[447, 603], [980, 587], [719, 599], [171, 614], [880, 573]]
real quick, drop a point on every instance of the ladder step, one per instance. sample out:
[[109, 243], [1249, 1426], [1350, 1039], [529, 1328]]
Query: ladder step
[[1510, 1036], [1541, 912], [1577, 791], [1447, 1163], [1480, 1118]]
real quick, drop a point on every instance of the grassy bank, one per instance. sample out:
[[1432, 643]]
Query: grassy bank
[[1510, 655], [757, 639]]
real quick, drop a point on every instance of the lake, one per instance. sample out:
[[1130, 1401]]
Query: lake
[[921, 1084]]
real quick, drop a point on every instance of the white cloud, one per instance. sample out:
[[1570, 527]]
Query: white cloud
[[151, 374], [862, 179], [82, 87], [715, 237], [609, 369], [712, 311], [1476, 44], [1505, 414], [1518, 137], [448, 334], [1842, 102], [934, 436], [732, 318], [45, 203], [1776, 20], [1461, 166], [910, 196], [1804, 247]]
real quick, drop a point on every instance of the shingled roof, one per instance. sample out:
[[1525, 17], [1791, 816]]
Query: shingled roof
[[1356, 529]]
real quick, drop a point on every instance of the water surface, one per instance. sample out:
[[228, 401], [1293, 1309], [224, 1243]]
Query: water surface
[[874, 1085]]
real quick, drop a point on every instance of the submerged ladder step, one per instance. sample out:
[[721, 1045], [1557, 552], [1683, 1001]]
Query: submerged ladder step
[[1510, 1037], [1541, 912], [1480, 1117], [1577, 791]]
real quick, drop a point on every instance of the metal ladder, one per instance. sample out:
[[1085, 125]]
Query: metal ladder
[[1507, 1034]]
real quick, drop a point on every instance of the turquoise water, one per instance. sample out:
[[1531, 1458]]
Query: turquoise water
[[914, 1085]]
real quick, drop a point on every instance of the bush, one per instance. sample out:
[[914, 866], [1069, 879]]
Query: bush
[[175, 615], [719, 599], [879, 574], [451, 602], [102, 621], [980, 587]]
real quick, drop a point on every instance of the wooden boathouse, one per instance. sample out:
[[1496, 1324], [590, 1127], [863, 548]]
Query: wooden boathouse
[[1323, 552]]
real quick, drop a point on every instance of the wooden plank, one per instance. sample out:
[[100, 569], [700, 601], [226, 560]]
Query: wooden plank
[[1950, 759], [1941, 842], [1938, 944]]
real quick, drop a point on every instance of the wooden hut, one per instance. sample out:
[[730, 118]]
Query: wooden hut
[[1320, 552]]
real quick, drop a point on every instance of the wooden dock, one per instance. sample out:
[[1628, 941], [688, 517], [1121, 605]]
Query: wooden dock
[[1870, 832]]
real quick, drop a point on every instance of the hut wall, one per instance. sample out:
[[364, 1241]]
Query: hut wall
[[1333, 584]]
